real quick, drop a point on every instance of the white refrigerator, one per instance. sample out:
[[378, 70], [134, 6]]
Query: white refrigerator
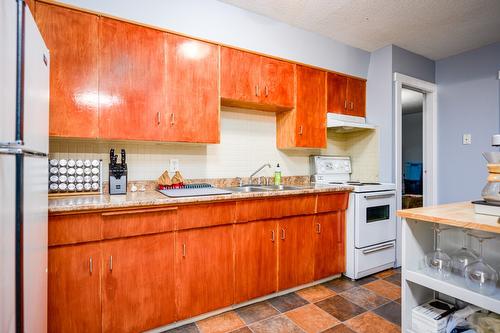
[[24, 103]]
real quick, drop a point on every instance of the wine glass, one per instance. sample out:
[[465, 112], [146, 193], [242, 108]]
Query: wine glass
[[437, 262], [462, 257], [479, 276]]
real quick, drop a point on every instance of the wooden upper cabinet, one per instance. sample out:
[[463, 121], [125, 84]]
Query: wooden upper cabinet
[[192, 90], [74, 289], [277, 83], [138, 283], [255, 259], [311, 108], [132, 85], [346, 95], [204, 270], [71, 37], [295, 251], [240, 76], [329, 244], [356, 91], [252, 81]]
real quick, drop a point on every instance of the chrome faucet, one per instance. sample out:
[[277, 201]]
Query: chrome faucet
[[257, 171]]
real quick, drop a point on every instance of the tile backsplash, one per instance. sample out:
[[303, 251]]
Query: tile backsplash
[[248, 140]]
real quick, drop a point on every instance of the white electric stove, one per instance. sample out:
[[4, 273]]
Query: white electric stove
[[370, 217]]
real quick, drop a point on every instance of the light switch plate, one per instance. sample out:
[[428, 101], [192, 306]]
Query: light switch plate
[[174, 165], [467, 139]]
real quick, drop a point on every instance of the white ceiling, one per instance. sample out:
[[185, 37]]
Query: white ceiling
[[433, 28]]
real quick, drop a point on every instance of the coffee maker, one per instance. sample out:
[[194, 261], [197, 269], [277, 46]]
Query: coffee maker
[[117, 173]]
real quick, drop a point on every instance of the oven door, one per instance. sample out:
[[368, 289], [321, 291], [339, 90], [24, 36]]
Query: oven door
[[375, 218]]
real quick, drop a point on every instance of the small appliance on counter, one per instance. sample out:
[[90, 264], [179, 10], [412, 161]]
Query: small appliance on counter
[[490, 205], [370, 219], [117, 173]]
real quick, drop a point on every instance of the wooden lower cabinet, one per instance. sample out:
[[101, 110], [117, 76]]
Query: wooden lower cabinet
[[256, 259], [329, 244], [74, 288], [138, 283], [204, 270], [296, 251]]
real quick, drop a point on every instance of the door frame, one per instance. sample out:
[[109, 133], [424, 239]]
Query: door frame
[[429, 144]]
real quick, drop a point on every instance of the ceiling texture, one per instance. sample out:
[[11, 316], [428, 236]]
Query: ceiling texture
[[435, 29]]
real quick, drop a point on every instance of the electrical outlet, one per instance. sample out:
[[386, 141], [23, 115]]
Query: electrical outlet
[[467, 139], [174, 165]]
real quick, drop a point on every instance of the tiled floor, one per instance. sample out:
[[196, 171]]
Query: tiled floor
[[371, 304]]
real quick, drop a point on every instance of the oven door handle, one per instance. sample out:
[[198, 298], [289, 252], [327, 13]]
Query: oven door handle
[[380, 196], [379, 248]]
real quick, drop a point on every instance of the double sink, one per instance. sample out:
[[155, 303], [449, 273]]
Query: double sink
[[262, 188]]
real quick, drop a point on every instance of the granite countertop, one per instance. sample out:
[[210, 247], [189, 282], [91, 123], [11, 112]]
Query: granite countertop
[[459, 214], [155, 198]]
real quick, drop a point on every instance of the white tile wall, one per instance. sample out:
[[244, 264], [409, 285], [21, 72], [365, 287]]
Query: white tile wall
[[248, 140]]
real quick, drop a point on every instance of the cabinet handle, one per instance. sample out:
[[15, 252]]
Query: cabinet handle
[[158, 118], [318, 228], [272, 236], [172, 119], [90, 265], [283, 234], [301, 130], [256, 90], [184, 250], [352, 106], [110, 263], [345, 104], [266, 91]]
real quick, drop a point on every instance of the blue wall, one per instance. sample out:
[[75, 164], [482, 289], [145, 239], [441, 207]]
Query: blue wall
[[468, 102], [411, 64]]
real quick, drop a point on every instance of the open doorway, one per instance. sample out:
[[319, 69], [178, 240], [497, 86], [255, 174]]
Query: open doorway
[[412, 103], [421, 176]]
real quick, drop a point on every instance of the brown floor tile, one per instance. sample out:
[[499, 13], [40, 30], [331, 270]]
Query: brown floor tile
[[341, 284], [364, 298], [189, 328], [385, 273], [226, 322], [371, 323], [256, 312], [394, 278], [340, 307], [287, 302], [390, 311], [366, 279], [315, 293], [385, 289], [311, 318], [278, 324], [339, 329], [242, 330]]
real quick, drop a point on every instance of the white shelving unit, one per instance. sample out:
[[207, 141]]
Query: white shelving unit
[[419, 287]]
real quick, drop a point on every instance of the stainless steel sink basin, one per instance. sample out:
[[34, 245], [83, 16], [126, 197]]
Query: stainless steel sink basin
[[246, 189]]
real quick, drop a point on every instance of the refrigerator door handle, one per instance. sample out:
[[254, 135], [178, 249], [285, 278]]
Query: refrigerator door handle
[[21, 151]]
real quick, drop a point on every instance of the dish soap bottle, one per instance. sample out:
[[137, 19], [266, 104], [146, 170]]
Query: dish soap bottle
[[277, 175]]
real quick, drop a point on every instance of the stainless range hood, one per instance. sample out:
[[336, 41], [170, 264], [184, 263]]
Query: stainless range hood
[[342, 123]]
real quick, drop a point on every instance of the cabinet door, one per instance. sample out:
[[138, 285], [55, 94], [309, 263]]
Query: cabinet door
[[296, 251], [311, 108], [240, 76], [192, 102], [329, 244], [356, 92], [336, 93], [277, 83], [71, 37], [74, 288], [131, 81], [255, 259], [138, 283], [204, 270]]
